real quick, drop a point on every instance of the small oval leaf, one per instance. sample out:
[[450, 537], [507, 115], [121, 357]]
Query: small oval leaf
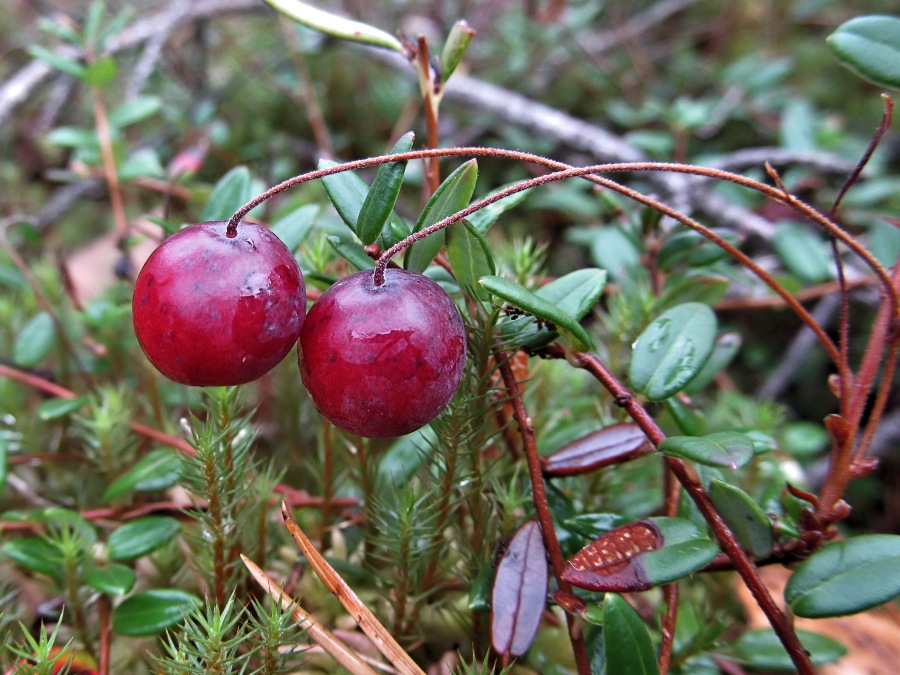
[[151, 612], [611, 445], [351, 252], [157, 470], [672, 350], [141, 536], [870, 46], [112, 579], [230, 193], [381, 197], [483, 219], [453, 195], [725, 449], [803, 252], [627, 642], [35, 554], [60, 407], [522, 298], [347, 192], [470, 256], [294, 227], [846, 577], [762, 649], [750, 525], [726, 348], [520, 592], [34, 341]]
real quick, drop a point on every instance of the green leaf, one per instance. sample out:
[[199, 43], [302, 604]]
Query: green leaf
[[4, 465], [692, 287], [293, 228], [803, 253], [524, 299], [870, 47], [726, 348], [141, 536], [336, 26], [230, 193], [60, 407], [63, 64], [470, 256], [724, 449], [36, 554], [747, 521], [133, 111], [34, 341], [482, 219], [58, 519], [614, 251], [380, 200], [762, 649], [144, 163], [689, 421], [455, 48], [628, 645], [112, 579], [451, 196], [73, 137], [151, 612], [101, 72], [157, 470], [846, 577], [351, 252], [685, 550], [347, 192], [672, 350]]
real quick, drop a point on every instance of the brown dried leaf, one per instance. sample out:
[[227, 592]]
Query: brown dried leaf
[[611, 445], [612, 562]]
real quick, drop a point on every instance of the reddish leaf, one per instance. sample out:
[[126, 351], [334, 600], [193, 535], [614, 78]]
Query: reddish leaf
[[611, 445], [520, 592], [611, 562]]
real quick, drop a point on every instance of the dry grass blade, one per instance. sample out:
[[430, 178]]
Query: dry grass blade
[[377, 633], [322, 636]]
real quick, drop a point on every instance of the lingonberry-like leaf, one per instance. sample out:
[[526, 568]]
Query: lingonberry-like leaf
[[336, 26], [36, 554], [294, 227], [671, 350], [60, 407], [381, 197], [870, 46], [135, 110], [157, 470], [520, 592], [689, 421], [762, 649], [112, 579], [628, 645], [846, 577], [611, 445], [230, 193], [4, 465], [693, 249], [351, 252], [141, 536], [482, 219], [747, 521], [640, 555], [451, 196], [524, 299], [151, 612], [347, 192], [575, 294], [34, 341], [726, 348], [63, 64], [470, 257], [726, 449], [692, 287], [803, 252]]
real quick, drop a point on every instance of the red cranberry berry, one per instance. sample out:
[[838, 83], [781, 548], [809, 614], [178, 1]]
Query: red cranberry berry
[[382, 361], [216, 310]]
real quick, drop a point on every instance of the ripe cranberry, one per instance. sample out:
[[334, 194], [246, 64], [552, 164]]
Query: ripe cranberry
[[382, 361], [213, 310]]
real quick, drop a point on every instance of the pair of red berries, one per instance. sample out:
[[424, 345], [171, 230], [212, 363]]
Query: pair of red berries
[[377, 361]]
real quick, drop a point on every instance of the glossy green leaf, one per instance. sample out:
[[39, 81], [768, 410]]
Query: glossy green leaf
[[626, 639], [404, 457], [381, 197], [470, 256], [692, 287], [575, 294], [870, 46], [336, 26], [63, 64], [482, 219], [143, 163], [762, 649], [36, 554], [34, 341], [693, 249], [293, 228], [230, 193], [347, 192], [4, 464], [112, 579], [690, 421], [846, 577], [614, 251], [60, 407], [453, 195], [151, 612], [672, 350], [352, 252], [685, 550], [803, 252], [157, 470], [747, 521], [101, 72], [726, 348], [724, 449], [58, 519], [522, 298], [480, 590], [804, 439], [141, 536], [135, 110]]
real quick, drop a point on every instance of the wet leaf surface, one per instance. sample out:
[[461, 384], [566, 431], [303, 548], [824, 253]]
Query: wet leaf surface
[[610, 445]]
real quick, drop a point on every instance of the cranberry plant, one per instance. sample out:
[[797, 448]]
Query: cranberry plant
[[492, 451]]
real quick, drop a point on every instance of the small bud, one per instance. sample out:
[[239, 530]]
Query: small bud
[[455, 48]]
